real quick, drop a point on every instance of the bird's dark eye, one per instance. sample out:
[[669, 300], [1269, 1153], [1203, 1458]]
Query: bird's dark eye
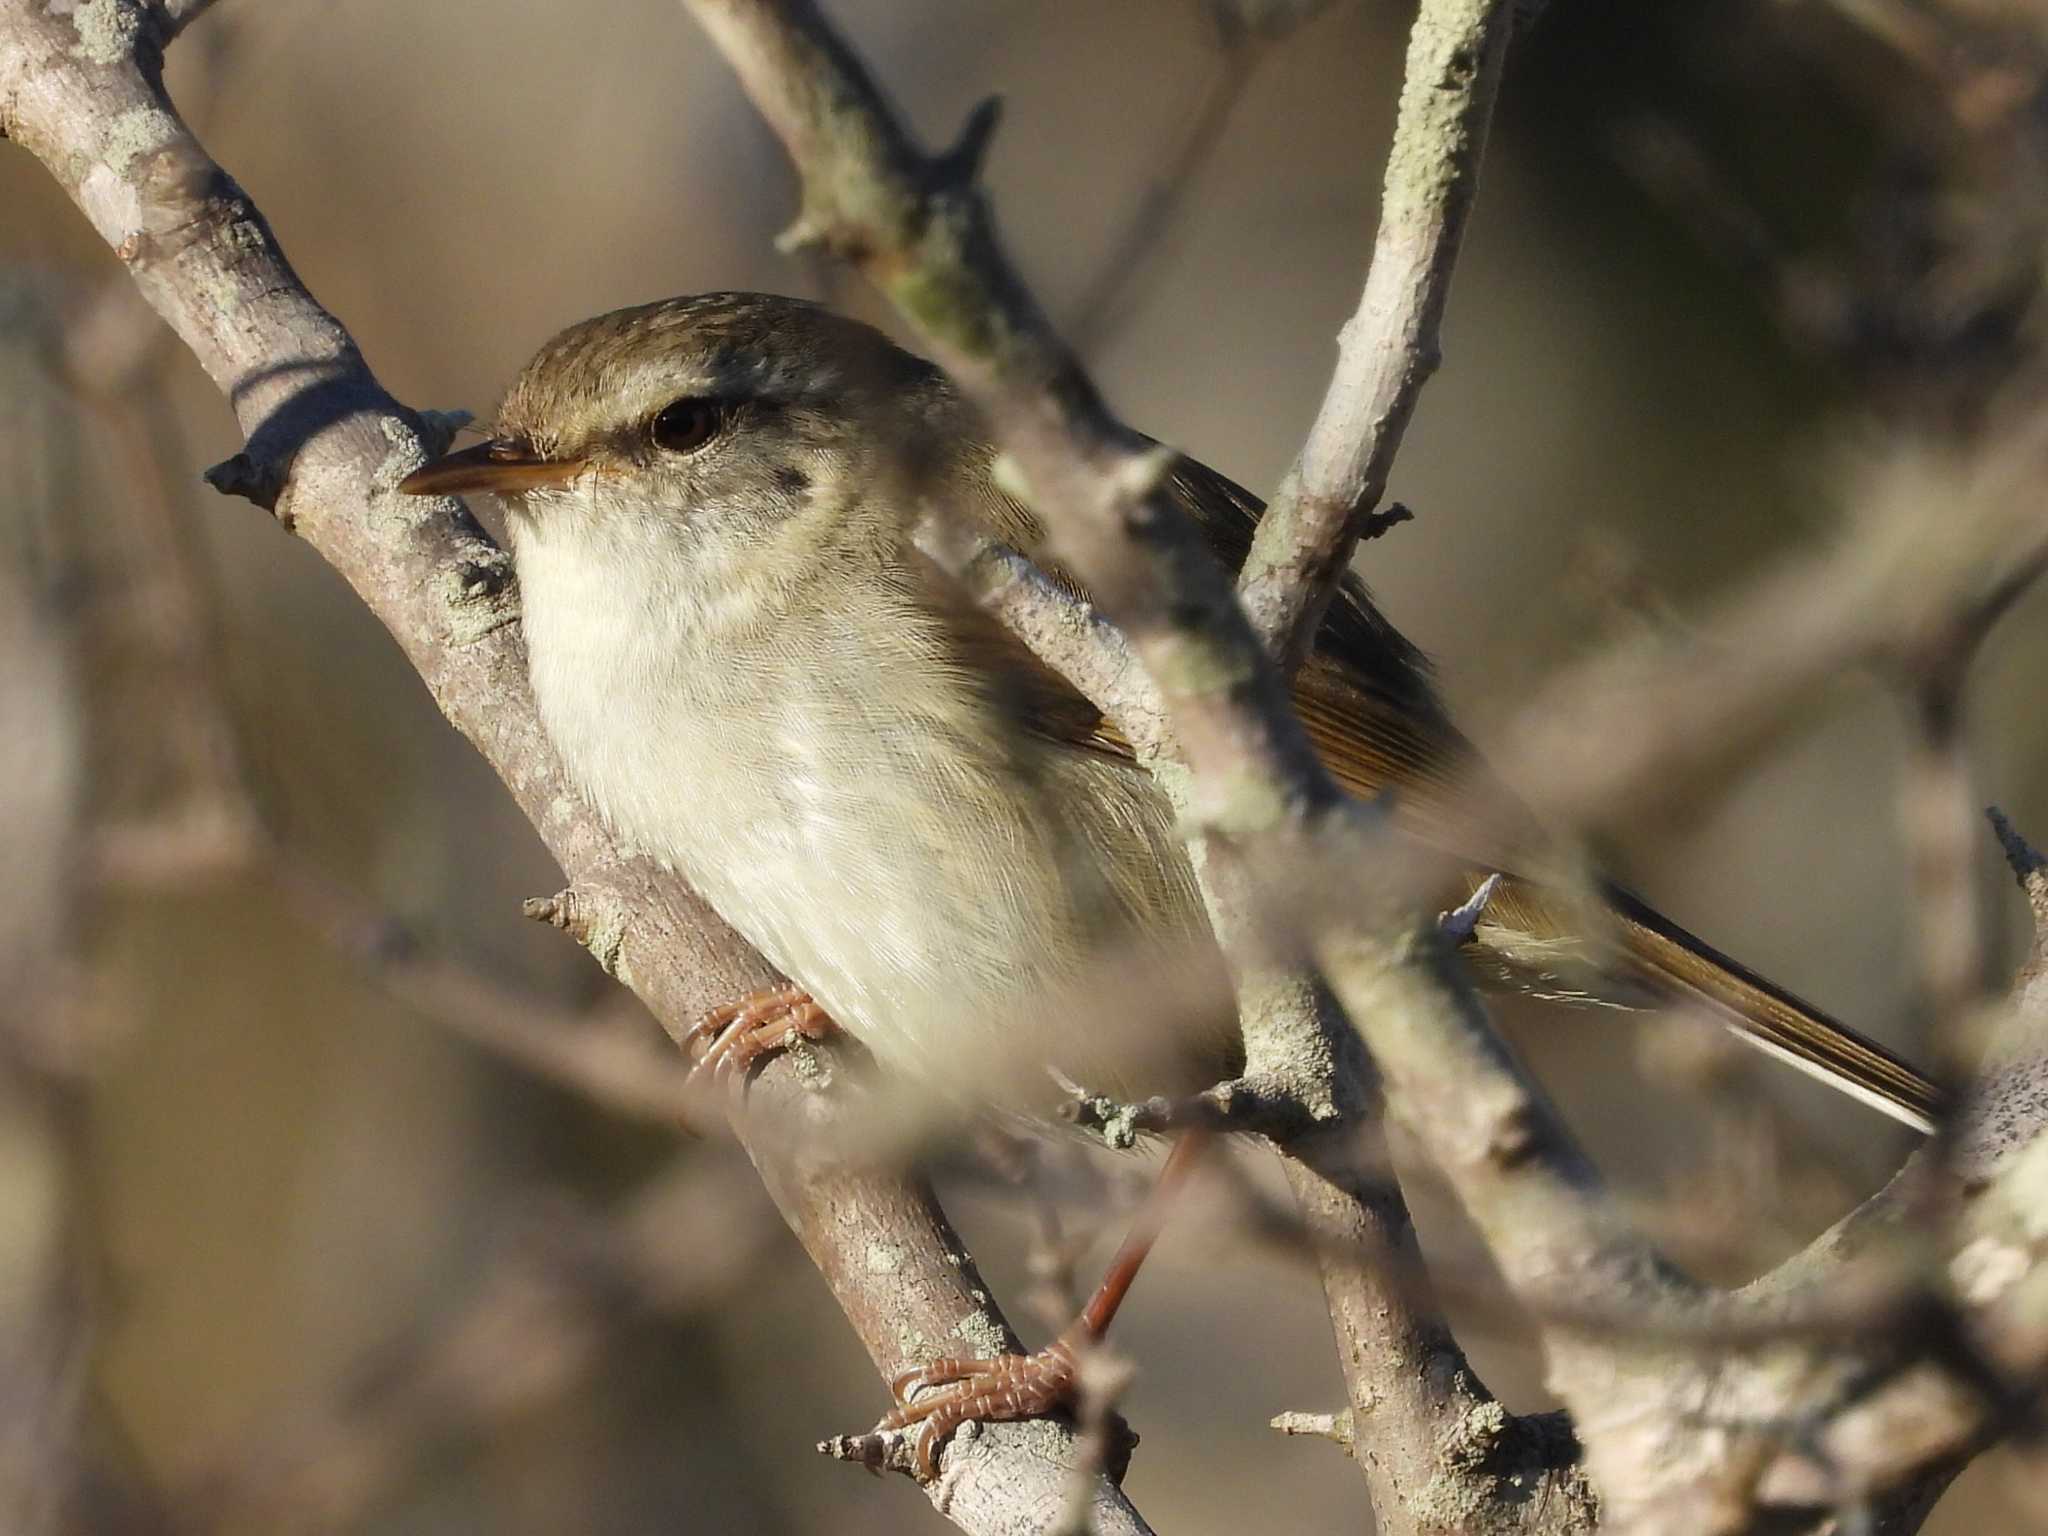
[[687, 424]]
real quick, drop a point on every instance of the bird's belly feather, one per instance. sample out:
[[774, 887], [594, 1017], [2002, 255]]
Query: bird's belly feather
[[865, 831]]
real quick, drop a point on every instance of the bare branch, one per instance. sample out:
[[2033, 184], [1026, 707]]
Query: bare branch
[[1390, 347], [1334, 1427], [1673, 1417], [1694, 1409], [1063, 629], [1419, 1438]]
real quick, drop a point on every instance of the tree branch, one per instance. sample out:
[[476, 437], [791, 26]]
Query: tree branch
[[332, 446], [1389, 348]]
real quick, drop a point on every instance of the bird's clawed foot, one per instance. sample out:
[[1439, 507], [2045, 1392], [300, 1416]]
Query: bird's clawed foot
[[942, 1396], [731, 1039]]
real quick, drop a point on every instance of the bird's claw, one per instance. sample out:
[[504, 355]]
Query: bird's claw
[[946, 1394], [729, 1040]]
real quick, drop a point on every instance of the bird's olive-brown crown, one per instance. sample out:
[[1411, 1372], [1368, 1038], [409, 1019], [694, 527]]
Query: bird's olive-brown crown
[[670, 370]]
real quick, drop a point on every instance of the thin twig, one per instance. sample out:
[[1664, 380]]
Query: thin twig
[[46, 1304], [1101, 309], [554, 1294], [1390, 346]]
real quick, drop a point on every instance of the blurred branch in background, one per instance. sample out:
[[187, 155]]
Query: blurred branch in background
[[46, 1323], [558, 1292], [1243, 33], [1929, 296]]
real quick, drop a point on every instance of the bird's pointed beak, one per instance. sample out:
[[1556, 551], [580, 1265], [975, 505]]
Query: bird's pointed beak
[[501, 467]]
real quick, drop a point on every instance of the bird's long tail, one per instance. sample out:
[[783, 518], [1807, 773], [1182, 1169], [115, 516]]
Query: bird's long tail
[[1768, 1017]]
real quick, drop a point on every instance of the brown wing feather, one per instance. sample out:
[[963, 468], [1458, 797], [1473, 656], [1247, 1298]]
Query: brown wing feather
[[1045, 701], [1369, 705]]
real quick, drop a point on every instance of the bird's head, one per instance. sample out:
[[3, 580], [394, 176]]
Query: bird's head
[[721, 414]]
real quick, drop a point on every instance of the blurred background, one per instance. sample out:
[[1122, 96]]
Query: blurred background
[[336, 1265]]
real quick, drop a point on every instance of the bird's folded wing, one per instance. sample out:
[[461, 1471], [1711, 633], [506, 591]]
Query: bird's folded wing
[[1368, 703]]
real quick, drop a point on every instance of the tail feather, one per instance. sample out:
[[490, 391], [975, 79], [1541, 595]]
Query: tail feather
[[1772, 1019]]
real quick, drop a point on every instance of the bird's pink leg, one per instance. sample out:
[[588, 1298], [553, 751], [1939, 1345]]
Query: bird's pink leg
[[945, 1394], [736, 1036]]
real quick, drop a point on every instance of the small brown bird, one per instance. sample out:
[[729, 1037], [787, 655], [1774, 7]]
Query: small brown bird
[[756, 675]]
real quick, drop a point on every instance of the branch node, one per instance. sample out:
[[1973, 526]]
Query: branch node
[[879, 1450], [598, 924], [1135, 479], [959, 167], [2025, 860], [807, 232], [1335, 1427], [1388, 518], [1462, 921], [1513, 1136], [261, 483], [1117, 1123], [2028, 864], [485, 577], [438, 429], [1259, 1105], [166, 20], [553, 910]]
